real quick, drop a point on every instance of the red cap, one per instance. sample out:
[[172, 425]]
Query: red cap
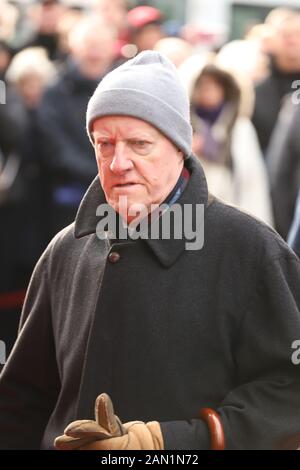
[[143, 15]]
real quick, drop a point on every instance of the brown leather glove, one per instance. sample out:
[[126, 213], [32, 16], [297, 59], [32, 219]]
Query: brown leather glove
[[108, 433], [140, 436], [106, 425]]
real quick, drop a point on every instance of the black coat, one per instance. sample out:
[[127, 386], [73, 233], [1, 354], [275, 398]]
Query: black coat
[[165, 331]]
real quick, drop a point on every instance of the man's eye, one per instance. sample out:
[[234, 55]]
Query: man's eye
[[140, 143], [105, 147], [140, 146], [105, 144]]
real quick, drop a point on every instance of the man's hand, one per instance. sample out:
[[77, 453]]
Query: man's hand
[[108, 433], [106, 425]]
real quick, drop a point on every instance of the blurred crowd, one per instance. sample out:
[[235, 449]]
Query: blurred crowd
[[243, 94]]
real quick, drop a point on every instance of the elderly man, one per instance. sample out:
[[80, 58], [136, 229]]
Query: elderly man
[[161, 327]]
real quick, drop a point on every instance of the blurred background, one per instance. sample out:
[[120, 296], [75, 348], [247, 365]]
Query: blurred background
[[239, 61]]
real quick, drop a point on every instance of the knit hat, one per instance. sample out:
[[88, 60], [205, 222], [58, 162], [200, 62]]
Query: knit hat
[[145, 87]]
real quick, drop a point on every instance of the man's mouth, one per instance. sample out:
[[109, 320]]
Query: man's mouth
[[124, 185]]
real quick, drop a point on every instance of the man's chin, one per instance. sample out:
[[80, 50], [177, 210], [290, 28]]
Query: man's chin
[[130, 209]]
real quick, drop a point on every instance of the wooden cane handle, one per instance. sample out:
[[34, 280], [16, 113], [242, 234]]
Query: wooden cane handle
[[213, 420]]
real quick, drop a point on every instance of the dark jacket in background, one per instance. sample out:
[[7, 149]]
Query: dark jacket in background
[[268, 101], [67, 156], [20, 234], [12, 123], [165, 331], [67, 152], [50, 42], [286, 181], [13, 190]]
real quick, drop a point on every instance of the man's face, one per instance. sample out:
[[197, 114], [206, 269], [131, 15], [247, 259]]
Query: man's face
[[208, 93], [134, 161], [93, 51], [112, 11], [146, 37], [289, 38]]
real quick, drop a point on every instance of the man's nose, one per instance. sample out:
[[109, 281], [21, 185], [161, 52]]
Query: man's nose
[[121, 161]]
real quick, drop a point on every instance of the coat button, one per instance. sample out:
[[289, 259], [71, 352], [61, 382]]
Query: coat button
[[114, 257]]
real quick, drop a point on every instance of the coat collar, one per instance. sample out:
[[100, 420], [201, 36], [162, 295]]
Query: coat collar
[[167, 251]]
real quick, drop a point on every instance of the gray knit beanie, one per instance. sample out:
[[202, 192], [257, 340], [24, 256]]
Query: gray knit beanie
[[146, 87]]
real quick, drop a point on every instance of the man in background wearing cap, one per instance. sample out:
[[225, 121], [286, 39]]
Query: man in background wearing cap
[[145, 27], [164, 330]]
